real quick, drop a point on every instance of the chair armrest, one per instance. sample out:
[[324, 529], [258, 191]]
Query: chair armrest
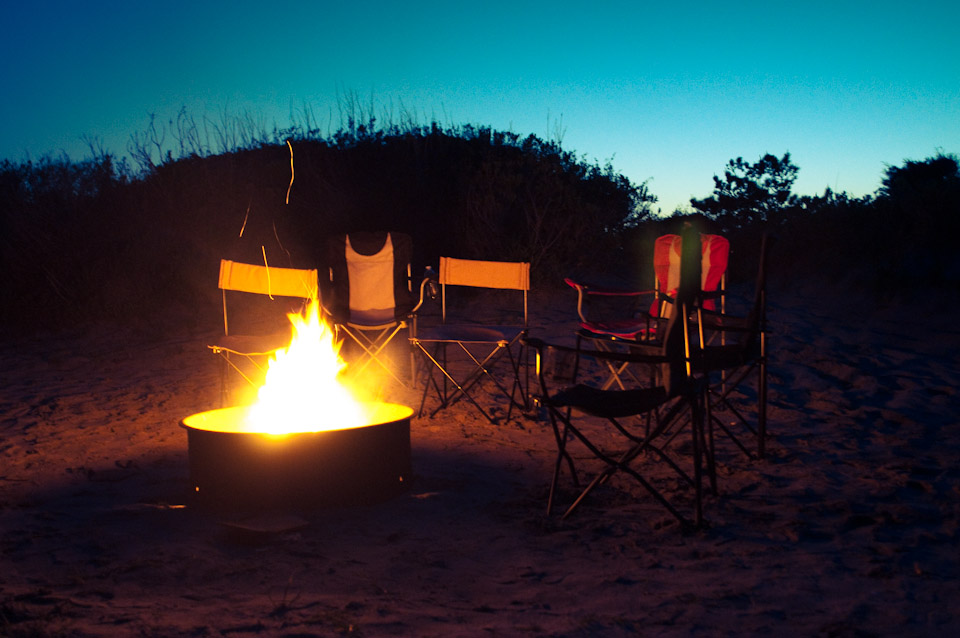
[[636, 354], [586, 290], [428, 288], [606, 291], [713, 320], [712, 294]]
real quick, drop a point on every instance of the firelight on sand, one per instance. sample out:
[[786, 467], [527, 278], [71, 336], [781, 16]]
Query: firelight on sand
[[302, 391]]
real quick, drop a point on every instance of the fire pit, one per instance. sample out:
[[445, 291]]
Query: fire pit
[[307, 441], [235, 467]]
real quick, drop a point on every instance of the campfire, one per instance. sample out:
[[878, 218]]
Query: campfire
[[302, 391], [307, 441]]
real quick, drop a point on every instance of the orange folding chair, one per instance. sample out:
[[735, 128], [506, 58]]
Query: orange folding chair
[[481, 345], [277, 290]]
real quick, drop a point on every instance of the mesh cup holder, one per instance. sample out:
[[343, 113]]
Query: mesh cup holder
[[560, 366]]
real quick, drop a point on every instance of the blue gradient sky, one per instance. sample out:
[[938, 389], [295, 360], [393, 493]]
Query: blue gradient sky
[[668, 91]]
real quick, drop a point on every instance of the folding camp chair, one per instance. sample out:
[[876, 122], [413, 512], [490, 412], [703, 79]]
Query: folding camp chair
[[734, 360], [636, 324], [576, 409], [616, 332], [248, 353], [714, 256], [483, 344], [370, 298]]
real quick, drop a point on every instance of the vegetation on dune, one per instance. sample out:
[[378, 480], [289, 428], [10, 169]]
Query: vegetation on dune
[[94, 240], [896, 241]]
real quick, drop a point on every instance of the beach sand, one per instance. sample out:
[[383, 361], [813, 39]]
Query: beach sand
[[849, 527]]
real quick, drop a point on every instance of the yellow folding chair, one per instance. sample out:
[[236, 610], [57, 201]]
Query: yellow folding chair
[[482, 345], [278, 290]]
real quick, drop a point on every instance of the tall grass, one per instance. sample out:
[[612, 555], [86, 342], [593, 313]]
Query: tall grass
[[98, 241]]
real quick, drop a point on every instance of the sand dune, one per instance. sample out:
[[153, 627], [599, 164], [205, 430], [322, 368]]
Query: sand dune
[[850, 527]]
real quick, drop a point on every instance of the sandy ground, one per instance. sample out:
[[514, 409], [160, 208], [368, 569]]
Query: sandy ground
[[848, 528]]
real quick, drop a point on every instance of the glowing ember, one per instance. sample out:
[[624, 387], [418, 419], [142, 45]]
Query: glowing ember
[[302, 392]]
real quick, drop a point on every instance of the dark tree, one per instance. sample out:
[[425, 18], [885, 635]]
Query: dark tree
[[924, 188], [918, 208], [751, 193]]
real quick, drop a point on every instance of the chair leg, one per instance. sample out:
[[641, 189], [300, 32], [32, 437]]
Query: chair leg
[[426, 388], [413, 357], [710, 444], [372, 349], [453, 390], [445, 399], [622, 465], [517, 382], [561, 455], [762, 410], [696, 426], [428, 377], [223, 381], [721, 399]]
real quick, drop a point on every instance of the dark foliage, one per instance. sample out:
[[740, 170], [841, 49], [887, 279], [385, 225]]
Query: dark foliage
[[85, 241], [893, 245], [751, 193], [81, 243]]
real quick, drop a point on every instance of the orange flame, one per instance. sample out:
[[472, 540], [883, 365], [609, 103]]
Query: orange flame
[[302, 391]]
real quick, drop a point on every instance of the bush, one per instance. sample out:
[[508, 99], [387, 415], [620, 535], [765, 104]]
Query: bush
[[86, 242]]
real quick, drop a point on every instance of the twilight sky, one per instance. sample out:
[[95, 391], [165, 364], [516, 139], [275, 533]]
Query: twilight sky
[[668, 91]]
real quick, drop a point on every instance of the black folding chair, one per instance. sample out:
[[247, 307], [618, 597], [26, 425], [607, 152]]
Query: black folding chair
[[677, 393], [576, 406], [735, 360]]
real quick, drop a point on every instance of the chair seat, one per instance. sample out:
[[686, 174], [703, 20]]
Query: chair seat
[[723, 357], [632, 329], [610, 403], [728, 323], [253, 344], [483, 352], [466, 333], [371, 319]]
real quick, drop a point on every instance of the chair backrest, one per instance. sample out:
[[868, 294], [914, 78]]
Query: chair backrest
[[501, 275], [674, 350], [747, 334], [715, 253], [757, 317], [265, 280], [369, 276], [677, 338]]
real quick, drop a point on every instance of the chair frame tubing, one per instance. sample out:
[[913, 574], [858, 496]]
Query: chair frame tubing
[[449, 397], [507, 276]]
